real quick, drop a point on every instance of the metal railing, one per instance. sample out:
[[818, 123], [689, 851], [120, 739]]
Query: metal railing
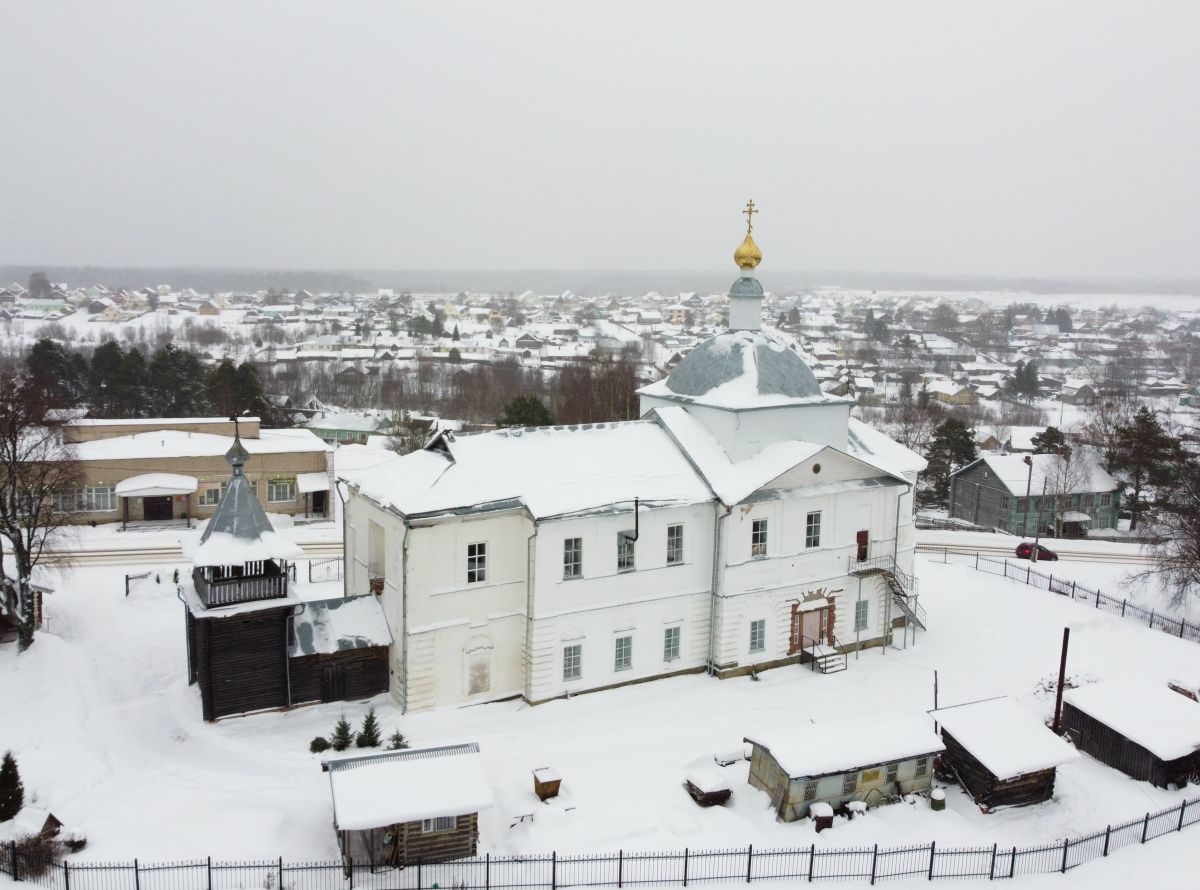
[[326, 569], [231, 591], [878, 564], [1024, 572], [617, 869]]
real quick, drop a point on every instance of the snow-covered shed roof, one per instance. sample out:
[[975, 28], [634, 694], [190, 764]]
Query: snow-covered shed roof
[[1163, 722], [377, 790], [741, 369], [821, 749], [1004, 737], [339, 624], [550, 471]]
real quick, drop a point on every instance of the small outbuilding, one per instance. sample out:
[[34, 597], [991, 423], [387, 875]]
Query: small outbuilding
[[338, 650], [403, 807], [1146, 731], [872, 761], [1001, 754]]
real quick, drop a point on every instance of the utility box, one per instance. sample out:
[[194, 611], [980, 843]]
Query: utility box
[[545, 783]]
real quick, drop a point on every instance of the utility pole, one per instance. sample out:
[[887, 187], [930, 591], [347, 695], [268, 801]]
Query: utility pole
[[1062, 679], [1037, 534], [1028, 484]]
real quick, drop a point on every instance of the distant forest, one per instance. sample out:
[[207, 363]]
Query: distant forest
[[586, 282]]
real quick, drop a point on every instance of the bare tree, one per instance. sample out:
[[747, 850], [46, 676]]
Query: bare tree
[[36, 469], [1177, 526]]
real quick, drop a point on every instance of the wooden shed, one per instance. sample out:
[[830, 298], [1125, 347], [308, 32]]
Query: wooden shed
[[868, 760], [398, 808], [338, 650], [1001, 754], [1146, 731]]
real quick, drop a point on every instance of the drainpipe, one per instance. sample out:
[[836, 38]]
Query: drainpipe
[[346, 557], [530, 551], [403, 613], [718, 526]]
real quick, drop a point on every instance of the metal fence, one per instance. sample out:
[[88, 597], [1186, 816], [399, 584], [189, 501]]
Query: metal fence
[[1024, 572], [325, 569], [619, 869]]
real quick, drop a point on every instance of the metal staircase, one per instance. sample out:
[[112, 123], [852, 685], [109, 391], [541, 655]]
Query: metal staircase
[[824, 658], [902, 585]]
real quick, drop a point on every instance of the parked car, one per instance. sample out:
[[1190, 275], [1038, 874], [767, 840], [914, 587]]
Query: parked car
[[1025, 551]]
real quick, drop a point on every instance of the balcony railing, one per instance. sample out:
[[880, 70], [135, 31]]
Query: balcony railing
[[232, 591]]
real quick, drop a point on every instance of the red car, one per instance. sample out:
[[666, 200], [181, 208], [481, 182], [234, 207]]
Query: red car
[[1025, 551]]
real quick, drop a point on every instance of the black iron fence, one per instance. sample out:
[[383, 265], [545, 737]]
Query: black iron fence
[[325, 569], [1023, 571], [619, 869]]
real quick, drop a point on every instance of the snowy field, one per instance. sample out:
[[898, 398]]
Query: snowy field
[[109, 737]]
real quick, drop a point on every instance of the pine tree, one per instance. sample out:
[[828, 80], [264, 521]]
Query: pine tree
[[1143, 455], [342, 736], [952, 447], [368, 736], [397, 741], [12, 792], [1051, 441]]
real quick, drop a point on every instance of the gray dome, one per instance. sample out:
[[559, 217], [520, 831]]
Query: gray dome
[[777, 369], [746, 287]]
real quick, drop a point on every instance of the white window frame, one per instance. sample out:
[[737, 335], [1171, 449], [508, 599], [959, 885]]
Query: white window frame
[[758, 635], [675, 544], [477, 562], [289, 491], [758, 537], [623, 653], [672, 637], [208, 497], [572, 558], [440, 823], [626, 552], [862, 614], [812, 530], [87, 499], [572, 662]]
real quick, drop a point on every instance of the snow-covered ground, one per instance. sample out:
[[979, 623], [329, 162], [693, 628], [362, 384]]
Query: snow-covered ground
[[109, 737]]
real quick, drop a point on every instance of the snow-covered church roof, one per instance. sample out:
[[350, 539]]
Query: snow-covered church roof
[[742, 369]]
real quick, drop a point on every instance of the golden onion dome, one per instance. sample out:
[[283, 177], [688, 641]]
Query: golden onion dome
[[748, 255]]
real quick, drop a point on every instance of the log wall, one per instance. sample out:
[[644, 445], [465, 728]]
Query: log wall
[[989, 791], [365, 670], [1110, 747], [241, 662]]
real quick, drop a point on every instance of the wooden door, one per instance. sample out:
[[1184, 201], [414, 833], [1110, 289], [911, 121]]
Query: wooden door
[[812, 625], [319, 499], [333, 682], [864, 544], [154, 509]]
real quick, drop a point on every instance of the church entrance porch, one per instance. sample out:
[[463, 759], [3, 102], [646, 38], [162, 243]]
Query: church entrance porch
[[812, 636]]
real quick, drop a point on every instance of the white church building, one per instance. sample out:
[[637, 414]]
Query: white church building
[[744, 522]]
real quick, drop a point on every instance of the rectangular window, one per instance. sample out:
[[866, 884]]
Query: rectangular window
[[893, 770], [674, 544], [860, 614], [810, 789], [89, 499], [625, 551], [441, 823], [1089, 501], [572, 662], [812, 530], [476, 563], [280, 490], [870, 775], [573, 558], [758, 538], [1106, 500], [1003, 503], [671, 644], [209, 497], [623, 654], [922, 766], [849, 783], [758, 635]]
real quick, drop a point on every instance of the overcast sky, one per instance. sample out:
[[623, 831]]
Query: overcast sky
[[1007, 138]]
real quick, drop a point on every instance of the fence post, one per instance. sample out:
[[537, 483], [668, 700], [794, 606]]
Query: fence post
[[1181, 624], [932, 853], [1028, 573], [137, 877], [812, 854], [685, 859], [66, 875], [281, 858], [1152, 618], [1182, 810], [620, 868], [750, 858], [1123, 602], [1107, 835], [1145, 827], [210, 875], [16, 874], [419, 885], [1066, 847], [874, 861], [553, 869], [992, 870], [1012, 865]]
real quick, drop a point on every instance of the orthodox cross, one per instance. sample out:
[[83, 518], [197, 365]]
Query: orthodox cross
[[750, 210]]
